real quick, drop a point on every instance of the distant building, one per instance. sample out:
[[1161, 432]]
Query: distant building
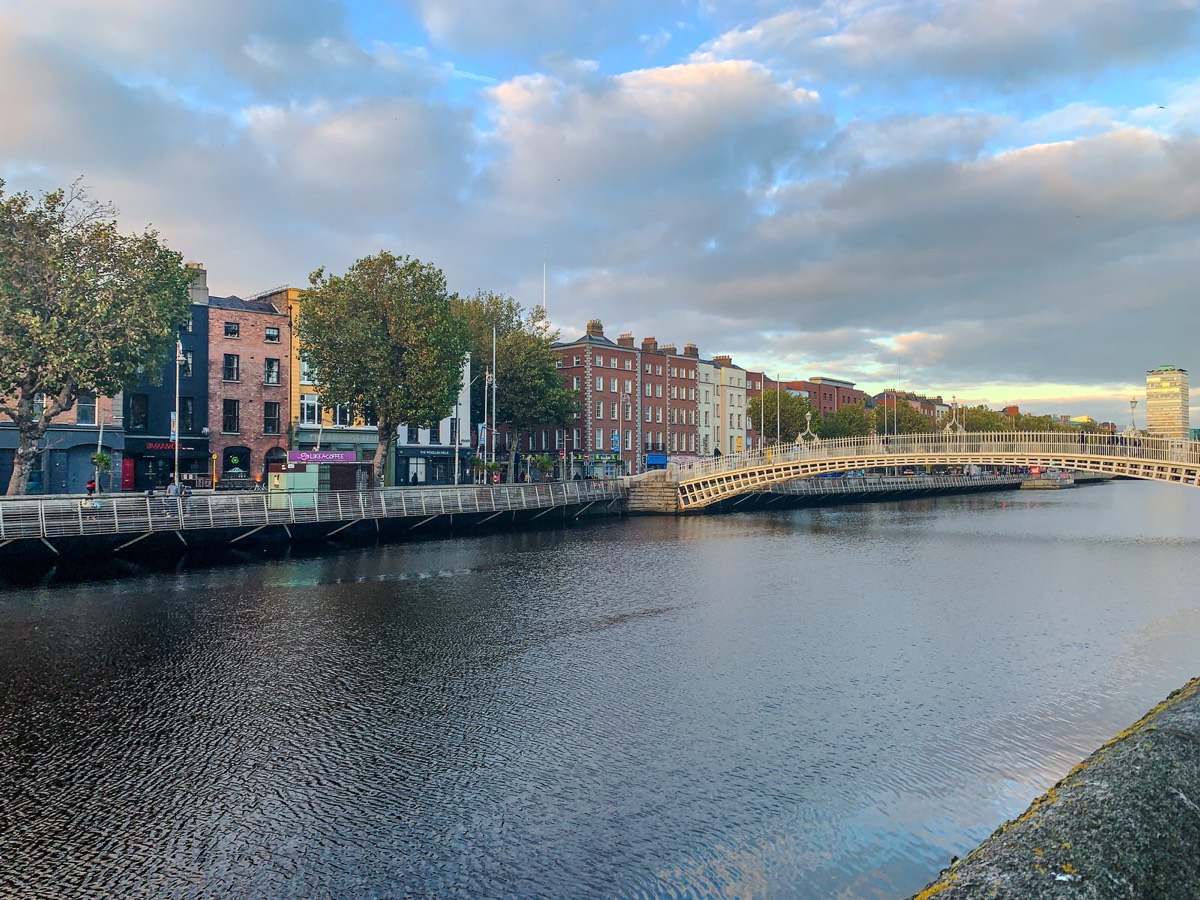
[[1167, 402]]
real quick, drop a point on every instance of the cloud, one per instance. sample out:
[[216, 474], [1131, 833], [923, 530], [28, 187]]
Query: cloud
[[721, 201], [988, 42]]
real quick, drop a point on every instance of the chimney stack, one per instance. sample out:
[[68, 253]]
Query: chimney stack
[[625, 340], [595, 328], [649, 345], [691, 351]]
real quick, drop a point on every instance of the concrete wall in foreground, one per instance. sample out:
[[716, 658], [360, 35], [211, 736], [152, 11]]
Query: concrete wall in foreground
[[1124, 823]]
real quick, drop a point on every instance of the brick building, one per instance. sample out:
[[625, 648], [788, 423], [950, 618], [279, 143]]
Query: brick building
[[249, 386]]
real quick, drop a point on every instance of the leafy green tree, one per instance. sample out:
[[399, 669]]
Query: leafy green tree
[[529, 390], [84, 309], [480, 314], [1026, 422], [978, 418], [911, 420], [542, 463], [782, 413], [853, 420], [384, 339]]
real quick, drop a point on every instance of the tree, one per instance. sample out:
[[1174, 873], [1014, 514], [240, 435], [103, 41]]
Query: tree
[[978, 418], [480, 314], [542, 463], [781, 412], [852, 420], [384, 340], [529, 390], [907, 417], [84, 309]]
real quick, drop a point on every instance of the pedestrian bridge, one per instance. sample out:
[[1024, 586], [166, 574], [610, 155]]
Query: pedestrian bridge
[[699, 484]]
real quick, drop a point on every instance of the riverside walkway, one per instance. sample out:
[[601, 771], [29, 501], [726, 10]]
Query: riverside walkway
[[116, 522], [693, 486]]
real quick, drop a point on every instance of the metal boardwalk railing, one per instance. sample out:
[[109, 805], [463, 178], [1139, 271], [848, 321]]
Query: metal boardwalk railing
[[50, 517]]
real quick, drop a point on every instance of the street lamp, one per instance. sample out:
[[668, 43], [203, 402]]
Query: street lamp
[[458, 423], [1132, 416], [175, 414]]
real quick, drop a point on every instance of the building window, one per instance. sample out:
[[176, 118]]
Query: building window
[[343, 415], [271, 417], [575, 383], [85, 410], [628, 440], [575, 361], [649, 413], [232, 369], [306, 372], [599, 382], [271, 335], [270, 371], [599, 438], [232, 330], [628, 386], [435, 433], [454, 438], [599, 409], [139, 412], [649, 389], [575, 438], [414, 435], [613, 412], [187, 415], [188, 327], [558, 439], [231, 416], [310, 409]]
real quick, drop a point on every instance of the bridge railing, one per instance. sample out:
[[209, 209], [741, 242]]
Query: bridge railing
[[995, 443], [48, 517]]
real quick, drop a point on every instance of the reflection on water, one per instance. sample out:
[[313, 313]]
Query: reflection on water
[[814, 703]]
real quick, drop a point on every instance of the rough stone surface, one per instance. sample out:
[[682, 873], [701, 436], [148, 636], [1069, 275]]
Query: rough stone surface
[[1124, 823]]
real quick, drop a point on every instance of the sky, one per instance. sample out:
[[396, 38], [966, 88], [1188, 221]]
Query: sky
[[991, 200]]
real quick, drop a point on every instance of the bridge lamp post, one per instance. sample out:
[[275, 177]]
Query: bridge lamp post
[[1132, 415]]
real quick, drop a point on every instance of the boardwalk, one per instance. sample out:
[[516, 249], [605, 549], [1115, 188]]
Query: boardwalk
[[136, 516]]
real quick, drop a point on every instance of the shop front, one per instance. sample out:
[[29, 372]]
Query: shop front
[[416, 465], [149, 463]]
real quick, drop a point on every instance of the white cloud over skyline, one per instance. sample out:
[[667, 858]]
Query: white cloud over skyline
[[999, 200]]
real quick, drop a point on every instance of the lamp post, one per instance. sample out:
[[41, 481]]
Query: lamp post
[[175, 413], [458, 423], [1132, 415]]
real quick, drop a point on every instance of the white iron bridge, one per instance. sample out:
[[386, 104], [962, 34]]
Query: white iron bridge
[[709, 481]]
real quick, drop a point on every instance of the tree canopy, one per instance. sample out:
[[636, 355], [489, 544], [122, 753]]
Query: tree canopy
[[385, 340], [529, 390], [852, 420], [781, 412], [84, 309]]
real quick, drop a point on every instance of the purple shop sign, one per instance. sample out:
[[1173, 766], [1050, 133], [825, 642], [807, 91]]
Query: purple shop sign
[[322, 456]]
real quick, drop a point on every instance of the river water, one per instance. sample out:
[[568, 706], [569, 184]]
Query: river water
[[815, 703]]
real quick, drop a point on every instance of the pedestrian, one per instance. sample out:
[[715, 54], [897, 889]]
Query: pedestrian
[[91, 486], [171, 500]]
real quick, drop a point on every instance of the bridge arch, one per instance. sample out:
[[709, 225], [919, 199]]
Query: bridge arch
[[706, 482]]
